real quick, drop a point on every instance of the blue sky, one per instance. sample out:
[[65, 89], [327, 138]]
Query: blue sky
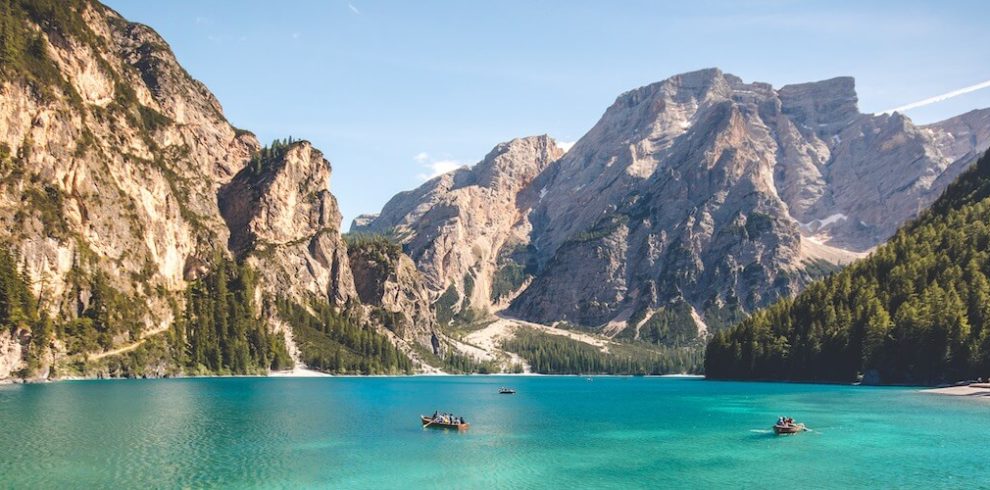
[[393, 90]]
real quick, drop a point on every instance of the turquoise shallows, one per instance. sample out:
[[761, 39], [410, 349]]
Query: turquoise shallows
[[557, 432]]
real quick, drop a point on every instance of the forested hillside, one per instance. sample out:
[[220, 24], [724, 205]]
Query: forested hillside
[[554, 354], [19, 312], [915, 311], [337, 343]]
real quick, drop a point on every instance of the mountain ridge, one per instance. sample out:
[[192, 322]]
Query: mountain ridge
[[799, 166]]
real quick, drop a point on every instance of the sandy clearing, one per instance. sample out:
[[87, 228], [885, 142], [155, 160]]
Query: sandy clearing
[[298, 372], [599, 342], [813, 248], [490, 339], [472, 351]]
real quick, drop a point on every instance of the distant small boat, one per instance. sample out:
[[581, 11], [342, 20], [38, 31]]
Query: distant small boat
[[507, 391], [437, 424], [790, 428]]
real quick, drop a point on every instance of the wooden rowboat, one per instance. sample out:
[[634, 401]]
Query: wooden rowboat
[[428, 422], [785, 429]]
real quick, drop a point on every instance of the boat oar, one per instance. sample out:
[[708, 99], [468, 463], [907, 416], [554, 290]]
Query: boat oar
[[429, 423]]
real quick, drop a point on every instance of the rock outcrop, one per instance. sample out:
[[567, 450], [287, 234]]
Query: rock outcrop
[[285, 222], [461, 227], [388, 279]]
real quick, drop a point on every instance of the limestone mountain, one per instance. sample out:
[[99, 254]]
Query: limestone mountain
[[464, 228], [707, 191], [692, 201], [125, 199]]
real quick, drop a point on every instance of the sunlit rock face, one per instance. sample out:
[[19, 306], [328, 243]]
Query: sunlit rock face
[[116, 166], [458, 227], [700, 190]]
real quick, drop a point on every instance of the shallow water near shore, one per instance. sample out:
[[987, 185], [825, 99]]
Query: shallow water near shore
[[557, 432]]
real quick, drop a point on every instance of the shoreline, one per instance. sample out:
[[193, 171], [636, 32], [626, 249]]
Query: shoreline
[[311, 373], [979, 391], [975, 390]]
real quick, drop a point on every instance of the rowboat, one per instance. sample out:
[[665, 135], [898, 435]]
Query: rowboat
[[785, 429], [507, 391], [429, 422]]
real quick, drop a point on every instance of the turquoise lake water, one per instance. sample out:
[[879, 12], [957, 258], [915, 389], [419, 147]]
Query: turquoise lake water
[[557, 432]]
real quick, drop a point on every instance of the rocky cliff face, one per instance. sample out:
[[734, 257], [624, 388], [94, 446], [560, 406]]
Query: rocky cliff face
[[462, 227], [701, 197], [706, 190], [112, 157], [285, 221], [121, 178], [388, 279]]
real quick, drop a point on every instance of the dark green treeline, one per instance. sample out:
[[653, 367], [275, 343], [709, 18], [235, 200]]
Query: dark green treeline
[[338, 343], [220, 331], [916, 311], [553, 354]]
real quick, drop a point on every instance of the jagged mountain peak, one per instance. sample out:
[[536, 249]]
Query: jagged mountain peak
[[696, 85], [701, 191], [959, 136], [485, 207], [515, 163], [825, 104], [646, 207]]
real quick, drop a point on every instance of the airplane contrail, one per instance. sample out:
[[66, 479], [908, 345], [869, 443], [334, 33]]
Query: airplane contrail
[[938, 98]]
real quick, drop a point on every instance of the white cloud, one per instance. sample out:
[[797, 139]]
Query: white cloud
[[566, 145], [435, 167], [353, 8], [938, 98]]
